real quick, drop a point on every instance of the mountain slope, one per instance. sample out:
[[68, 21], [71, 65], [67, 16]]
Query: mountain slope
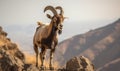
[[100, 45]]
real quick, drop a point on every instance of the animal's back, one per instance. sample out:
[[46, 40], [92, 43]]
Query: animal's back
[[40, 33]]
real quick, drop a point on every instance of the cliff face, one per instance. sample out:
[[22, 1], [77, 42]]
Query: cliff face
[[101, 46], [11, 58]]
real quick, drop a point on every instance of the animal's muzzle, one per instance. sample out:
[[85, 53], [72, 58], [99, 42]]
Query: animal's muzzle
[[60, 26]]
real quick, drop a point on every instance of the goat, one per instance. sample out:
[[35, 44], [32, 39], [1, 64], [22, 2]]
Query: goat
[[45, 36]]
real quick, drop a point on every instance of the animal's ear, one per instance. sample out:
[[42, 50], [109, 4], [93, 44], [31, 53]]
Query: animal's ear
[[49, 16], [65, 18]]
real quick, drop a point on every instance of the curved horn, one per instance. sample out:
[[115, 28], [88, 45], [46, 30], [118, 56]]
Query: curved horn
[[50, 8], [61, 10]]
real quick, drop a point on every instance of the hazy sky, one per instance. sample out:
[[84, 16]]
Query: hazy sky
[[30, 11], [19, 17]]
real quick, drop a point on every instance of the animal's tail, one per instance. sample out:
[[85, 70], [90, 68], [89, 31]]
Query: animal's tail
[[39, 23]]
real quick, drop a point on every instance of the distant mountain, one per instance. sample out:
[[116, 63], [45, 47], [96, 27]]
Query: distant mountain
[[101, 46]]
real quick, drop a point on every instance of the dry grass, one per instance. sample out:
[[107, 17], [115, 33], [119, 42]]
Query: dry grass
[[31, 59]]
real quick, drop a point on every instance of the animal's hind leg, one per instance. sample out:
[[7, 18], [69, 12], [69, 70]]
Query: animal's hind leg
[[51, 59], [37, 52], [42, 57]]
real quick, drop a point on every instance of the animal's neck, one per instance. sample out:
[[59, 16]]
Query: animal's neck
[[51, 36], [52, 31]]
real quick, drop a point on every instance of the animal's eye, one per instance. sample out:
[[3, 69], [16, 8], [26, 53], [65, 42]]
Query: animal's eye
[[54, 19]]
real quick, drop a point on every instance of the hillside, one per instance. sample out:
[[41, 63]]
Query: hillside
[[101, 46], [11, 58]]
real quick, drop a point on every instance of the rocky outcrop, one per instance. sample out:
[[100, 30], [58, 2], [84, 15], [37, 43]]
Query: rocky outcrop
[[79, 64], [11, 58]]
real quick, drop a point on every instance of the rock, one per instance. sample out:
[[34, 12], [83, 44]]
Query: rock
[[2, 32], [11, 58], [10, 63], [0, 28], [79, 64], [30, 67]]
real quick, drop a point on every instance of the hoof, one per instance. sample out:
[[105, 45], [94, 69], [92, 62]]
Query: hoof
[[51, 68], [37, 66], [42, 68]]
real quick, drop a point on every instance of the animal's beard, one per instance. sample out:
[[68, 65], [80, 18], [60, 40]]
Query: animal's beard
[[59, 32], [60, 29]]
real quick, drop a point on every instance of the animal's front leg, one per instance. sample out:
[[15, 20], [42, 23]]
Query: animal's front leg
[[42, 57], [37, 52], [51, 59]]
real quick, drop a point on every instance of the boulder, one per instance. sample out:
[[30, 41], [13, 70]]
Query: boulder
[[79, 64]]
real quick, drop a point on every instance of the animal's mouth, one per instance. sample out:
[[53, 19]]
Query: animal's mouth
[[60, 27]]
